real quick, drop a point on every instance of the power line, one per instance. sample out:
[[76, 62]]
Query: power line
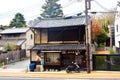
[[103, 12], [100, 5], [69, 4]]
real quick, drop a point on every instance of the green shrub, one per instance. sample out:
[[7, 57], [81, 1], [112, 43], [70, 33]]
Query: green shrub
[[102, 46], [9, 47], [112, 51]]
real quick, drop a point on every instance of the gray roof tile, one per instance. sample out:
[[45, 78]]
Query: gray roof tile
[[15, 41], [14, 30], [58, 22], [59, 47]]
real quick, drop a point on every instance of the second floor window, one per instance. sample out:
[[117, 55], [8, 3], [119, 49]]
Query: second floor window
[[117, 28], [31, 36]]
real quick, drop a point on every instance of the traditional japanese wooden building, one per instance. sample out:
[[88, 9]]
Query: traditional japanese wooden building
[[23, 38], [61, 41]]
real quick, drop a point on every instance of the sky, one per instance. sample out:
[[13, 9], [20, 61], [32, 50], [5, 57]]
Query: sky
[[31, 9]]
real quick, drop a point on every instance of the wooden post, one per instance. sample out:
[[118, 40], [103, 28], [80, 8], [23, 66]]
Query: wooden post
[[87, 38]]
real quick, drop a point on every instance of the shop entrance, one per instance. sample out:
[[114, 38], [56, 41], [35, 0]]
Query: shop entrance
[[68, 58]]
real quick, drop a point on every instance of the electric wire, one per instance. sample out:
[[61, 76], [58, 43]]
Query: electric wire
[[75, 13]]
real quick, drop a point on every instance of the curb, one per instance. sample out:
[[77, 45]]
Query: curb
[[62, 74]]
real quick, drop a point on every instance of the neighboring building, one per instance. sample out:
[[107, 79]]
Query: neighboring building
[[61, 41], [22, 37], [111, 35], [117, 29], [1, 29]]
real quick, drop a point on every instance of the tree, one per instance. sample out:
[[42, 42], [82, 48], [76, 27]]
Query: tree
[[5, 26], [51, 9], [100, 39], [107, 19], [99, 34], [18, 21], [10, 47], [104, 20], [96, 28]]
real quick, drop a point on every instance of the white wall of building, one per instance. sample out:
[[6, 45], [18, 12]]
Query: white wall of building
[[117, 27]]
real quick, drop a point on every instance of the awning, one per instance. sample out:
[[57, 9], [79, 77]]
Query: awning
[[58, 47], [20, 42]]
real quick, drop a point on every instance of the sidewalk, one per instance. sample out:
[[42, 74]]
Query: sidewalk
[[61, 74], [11, 70], [19, 69]]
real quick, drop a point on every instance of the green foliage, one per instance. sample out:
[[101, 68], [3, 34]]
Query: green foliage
[[18, 21], [100, 39], [102, 46], [51, 9], [112, 51], [9, 47], [105, 26], [104, 21], [5, 26]]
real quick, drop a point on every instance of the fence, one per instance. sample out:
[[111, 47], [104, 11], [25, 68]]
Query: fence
[[12, 55], [106, 62]]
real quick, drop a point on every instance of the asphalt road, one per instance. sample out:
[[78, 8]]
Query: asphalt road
[[40, 78], [19, 66]]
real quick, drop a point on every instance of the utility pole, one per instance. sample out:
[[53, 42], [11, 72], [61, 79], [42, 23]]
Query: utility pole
[[87, 6]]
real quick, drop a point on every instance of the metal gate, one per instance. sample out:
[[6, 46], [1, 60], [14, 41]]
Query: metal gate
[[106, 62]]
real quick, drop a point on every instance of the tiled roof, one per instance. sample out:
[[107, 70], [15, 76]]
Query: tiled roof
[[15, 41], [58, 22], [14, 30], [59, 47]]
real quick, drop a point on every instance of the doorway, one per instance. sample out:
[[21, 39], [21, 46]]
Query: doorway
[[67, 59]]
